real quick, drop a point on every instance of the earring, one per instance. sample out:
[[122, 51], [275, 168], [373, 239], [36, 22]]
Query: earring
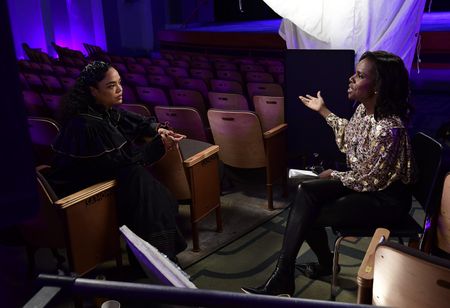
[[375, 92]]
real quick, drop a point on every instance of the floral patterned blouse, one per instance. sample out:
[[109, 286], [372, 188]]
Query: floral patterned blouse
[[378, 152]]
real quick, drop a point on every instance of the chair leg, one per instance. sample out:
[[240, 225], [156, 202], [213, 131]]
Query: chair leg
[[284, 184], [334, 287], [59, 259], [195, 242], [269, 196], [219, 219]]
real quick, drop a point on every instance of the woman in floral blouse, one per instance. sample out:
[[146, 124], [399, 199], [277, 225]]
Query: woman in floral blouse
[[374, 191]]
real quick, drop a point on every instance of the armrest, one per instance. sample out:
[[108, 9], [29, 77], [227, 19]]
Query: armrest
[[86, 193], [366, 269], [365, 272], [274, 131], [200, 156]]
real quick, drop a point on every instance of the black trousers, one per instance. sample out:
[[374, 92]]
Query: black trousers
[[327, 202]]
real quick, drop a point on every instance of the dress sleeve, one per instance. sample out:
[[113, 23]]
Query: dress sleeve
[[338, 125], [382, 165], [134, 125]]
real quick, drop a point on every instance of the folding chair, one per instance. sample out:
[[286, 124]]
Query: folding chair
[[138, 80], [34, 104], [266, 89], [395, 275], [194, 84], [184, 120], [152, 97], [259, 77], [136, 68], [191, 172], [270, 110], [243, 144], [85, 223], [427, 153], [229, 75], [43, 132], [227, 101], [226, 86], [136, 108], [189, 98]]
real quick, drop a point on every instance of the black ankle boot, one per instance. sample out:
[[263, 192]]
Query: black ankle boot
[[280, 283]]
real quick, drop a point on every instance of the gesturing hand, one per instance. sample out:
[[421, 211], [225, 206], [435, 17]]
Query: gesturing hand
[[316, 104]]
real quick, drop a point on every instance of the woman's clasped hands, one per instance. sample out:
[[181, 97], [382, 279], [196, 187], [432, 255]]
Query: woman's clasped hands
[[170, 138]]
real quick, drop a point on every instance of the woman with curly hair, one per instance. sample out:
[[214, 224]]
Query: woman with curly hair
[[374, 191], [99, 142]]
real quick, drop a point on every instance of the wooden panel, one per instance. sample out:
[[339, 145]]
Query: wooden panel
[[205, 187], [92, 232]]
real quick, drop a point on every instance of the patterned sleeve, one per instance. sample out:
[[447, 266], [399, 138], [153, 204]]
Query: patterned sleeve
[[338, 125], [381, 166]]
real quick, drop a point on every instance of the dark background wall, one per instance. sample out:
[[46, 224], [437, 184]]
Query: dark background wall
[[308, 71], [438, 5]]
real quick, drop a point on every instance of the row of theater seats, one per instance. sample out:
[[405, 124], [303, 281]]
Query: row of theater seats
[[243, 133], [57, 79], [206, 70], [151, 84], [42, 93]]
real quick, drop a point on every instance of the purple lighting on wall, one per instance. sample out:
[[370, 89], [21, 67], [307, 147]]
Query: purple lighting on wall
[[81, 26], [27, 25], [68, 23]]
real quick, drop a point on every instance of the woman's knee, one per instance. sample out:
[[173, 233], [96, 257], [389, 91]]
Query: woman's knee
[[310, 188], [321, 190]]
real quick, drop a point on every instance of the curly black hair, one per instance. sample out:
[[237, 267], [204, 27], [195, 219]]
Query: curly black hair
[[391, 85], [79, 97]]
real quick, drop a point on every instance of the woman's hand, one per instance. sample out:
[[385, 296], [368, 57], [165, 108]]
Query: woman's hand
[[170, 138], [316, 104], [326, 174]]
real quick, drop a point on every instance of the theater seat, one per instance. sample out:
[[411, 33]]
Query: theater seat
[[395, 275], [183, 120], [84, 223], [43, 132], [191, 172], [243, 144]]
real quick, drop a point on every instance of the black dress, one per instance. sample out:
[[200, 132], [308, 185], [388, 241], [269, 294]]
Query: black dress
[[104, 144]]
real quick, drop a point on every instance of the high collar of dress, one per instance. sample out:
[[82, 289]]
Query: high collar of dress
[[101, 111]]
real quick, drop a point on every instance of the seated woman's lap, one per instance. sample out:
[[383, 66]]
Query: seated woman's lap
[[343, 207]]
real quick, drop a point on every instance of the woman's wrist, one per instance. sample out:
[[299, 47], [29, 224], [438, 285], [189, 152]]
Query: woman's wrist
[[324, 111]]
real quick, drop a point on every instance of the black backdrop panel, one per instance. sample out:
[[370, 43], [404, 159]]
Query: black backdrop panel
[[308, 71]]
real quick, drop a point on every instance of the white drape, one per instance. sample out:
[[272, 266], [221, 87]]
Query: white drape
[[391, 25]]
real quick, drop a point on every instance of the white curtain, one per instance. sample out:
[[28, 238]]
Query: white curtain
[[391, 25]]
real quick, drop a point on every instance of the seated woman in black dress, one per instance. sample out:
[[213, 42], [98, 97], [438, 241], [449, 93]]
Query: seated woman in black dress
[[374, 191], [98, 142]]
